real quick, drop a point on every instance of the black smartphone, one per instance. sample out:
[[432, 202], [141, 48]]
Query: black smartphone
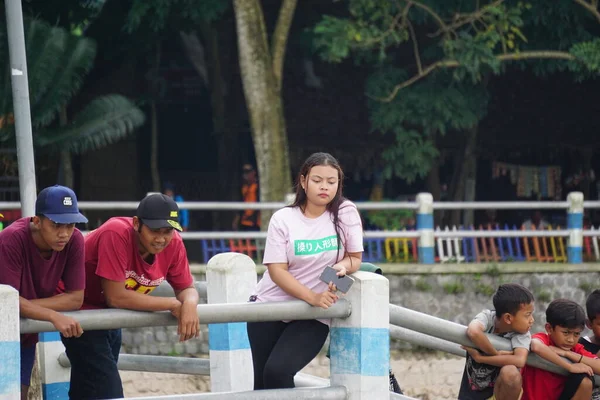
[[342, 283]]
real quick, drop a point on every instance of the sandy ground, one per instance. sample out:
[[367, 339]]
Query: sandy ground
[[424, 376]]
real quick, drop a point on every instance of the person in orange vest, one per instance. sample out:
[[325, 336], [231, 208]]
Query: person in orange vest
[[248, 220]]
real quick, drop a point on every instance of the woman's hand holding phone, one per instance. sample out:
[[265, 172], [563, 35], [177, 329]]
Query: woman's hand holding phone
[[341, 270], [337, 275]]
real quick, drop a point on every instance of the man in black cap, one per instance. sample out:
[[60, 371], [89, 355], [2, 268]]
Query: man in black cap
[[126, 259], [35, 254]]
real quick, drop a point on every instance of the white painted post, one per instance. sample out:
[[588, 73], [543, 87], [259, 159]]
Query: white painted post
[[10, 344], [360, 344], [425, 228], [575, 227], [231, 278], [55, 379]]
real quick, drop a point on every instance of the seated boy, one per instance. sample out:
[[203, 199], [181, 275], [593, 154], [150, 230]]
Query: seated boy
[[592, 343], [564, 322], [493, 374]]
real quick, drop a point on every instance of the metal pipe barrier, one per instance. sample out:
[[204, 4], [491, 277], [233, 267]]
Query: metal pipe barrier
[[217, 205], [400, 234], [328, 393], [424, 340], [263, 235], [208, 313], [164, 364], [499, 205], [187, 366], [424, 207], [165, 290], [382, 205], [456, 333], [502, 234], [306, 380], [400, 396]]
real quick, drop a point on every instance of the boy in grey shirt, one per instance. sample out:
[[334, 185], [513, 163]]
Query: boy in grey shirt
[[493, 374]]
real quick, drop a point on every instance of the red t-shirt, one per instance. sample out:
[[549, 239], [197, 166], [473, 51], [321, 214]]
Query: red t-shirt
[[111, 252], [22, 266], [539, 384]]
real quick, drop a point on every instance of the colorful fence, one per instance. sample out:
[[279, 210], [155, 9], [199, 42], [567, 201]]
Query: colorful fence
[[551, 249]]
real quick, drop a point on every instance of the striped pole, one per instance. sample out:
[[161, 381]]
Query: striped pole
[[10, 344], [360, 344], [425, 228], [575, 227], [231, 278], [54, 377]]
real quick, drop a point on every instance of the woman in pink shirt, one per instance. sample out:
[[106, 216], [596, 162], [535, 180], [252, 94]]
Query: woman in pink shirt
[[321, 228]]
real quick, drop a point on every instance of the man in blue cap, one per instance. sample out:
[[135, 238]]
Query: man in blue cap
[[35, 254]]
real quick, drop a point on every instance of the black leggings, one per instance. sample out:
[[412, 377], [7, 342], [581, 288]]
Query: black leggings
[[280, 350]]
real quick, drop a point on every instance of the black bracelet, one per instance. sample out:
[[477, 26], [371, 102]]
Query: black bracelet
[[580, 358]]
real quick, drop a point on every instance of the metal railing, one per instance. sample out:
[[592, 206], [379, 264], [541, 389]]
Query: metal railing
[[424, 236], [444, 335], [210, 313], [361, 205], [324, 393]]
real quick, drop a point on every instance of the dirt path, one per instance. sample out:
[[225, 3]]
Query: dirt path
[[423, 376]]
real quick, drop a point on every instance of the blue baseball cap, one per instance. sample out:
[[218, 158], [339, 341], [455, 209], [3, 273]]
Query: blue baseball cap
[[59, 204]]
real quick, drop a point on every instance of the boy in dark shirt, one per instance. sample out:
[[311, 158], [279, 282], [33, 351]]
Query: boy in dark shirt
[[493, 374]]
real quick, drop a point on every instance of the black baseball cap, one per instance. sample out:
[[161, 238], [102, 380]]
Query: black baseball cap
[[59, 204], [158, 210]]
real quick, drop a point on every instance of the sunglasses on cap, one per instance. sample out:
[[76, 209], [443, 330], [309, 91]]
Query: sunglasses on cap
[[247, 169]]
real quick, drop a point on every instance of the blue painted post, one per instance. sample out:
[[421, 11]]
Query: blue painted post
[[55, 378], [10, 344], [230, 278], [425, 228], [575, 227], [360, 344]]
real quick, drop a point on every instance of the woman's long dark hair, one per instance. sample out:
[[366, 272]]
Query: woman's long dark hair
[[319, 159]]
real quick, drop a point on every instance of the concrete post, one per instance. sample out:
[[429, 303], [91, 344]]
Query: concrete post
[[10, 345], [55, 379], [425, 228], [575, 227], [360, 344], [231, 278]]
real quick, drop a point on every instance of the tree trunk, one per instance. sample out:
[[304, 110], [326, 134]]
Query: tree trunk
[[280, 36], [463, 169], [586, 154], [456, 186], [226, 136], [66, 161], [433, 185], [154, 148], [469, 171], [263, 100], [154, 129]]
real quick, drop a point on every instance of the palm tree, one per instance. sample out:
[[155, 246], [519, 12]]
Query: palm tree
[[58, 62]]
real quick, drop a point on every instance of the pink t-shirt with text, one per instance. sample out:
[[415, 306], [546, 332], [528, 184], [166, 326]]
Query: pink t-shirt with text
[[307, 245]]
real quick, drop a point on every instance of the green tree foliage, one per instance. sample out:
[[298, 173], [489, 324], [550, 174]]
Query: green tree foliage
[[452, 46], [58, 63], [418, 116], [103, 121], [159, 15]]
